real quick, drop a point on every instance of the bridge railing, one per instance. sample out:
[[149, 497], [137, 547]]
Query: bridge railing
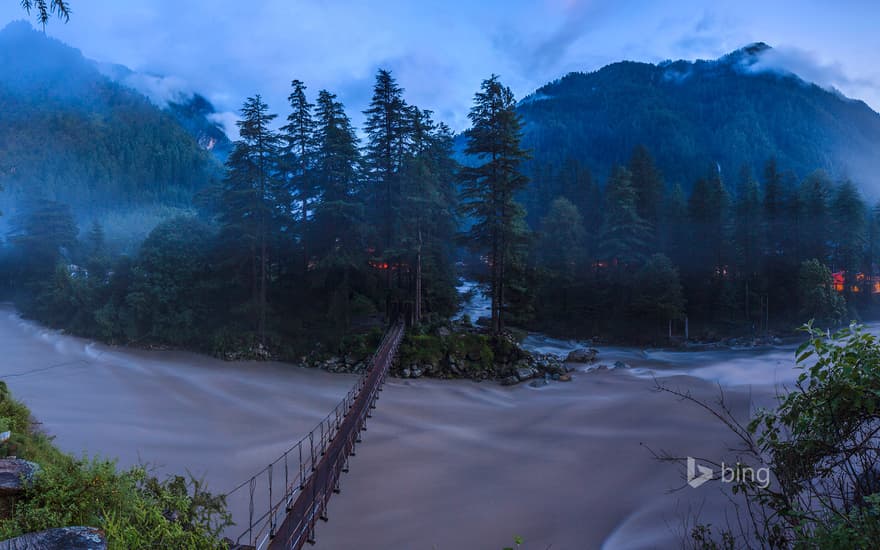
[[275, 488]]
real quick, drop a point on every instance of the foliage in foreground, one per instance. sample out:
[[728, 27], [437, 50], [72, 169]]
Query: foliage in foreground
[[133, 508], [820, 445]]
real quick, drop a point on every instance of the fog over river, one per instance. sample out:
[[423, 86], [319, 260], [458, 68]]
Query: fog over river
[[445, 465]]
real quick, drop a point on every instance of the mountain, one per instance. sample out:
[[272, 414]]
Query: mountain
[[191, 110], [71, 133], [695, 116]]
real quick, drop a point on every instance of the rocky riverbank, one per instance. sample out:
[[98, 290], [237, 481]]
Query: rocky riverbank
[[463, 352]]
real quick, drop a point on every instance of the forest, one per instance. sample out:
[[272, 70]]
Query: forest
[[317, 235], [310, 235]]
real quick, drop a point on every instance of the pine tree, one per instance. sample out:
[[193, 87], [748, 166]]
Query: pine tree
[[848, 225], [748, 224], [337, 164], [747, 234], [561, 245], [299, 151], [774, 210], [488, 189], [707, 209], [386, 128], [624, 237], [674, 223], [339, 219], [45, 233], [427, 213], [576, 184], [813, 213], [252, 194], [648, 186], [872, 250]]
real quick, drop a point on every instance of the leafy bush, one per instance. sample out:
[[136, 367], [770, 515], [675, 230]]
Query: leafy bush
[[423, 348], [820, 446], [133, 509]]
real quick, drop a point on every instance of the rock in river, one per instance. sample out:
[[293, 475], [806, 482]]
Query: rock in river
[[509, 381], [582, 355], [524, 373]]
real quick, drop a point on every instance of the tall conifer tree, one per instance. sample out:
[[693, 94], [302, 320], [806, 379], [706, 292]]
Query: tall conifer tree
[[488, 189]]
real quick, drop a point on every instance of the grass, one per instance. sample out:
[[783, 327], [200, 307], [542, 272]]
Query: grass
[[134, 509]]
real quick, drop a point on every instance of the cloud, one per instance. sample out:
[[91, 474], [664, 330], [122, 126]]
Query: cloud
[[544, 54], [226, 120], [707, 38], [439, 51], [807, 66], [160, 89]]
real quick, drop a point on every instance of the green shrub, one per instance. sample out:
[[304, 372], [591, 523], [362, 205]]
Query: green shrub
[[474, 348], [135, 510], [423, 348]]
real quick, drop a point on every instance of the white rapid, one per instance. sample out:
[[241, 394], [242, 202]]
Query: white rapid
[[444, 465]]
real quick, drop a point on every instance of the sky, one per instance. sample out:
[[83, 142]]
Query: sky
[[440, 51]]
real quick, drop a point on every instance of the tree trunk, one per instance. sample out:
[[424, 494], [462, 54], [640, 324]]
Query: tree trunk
[[417, 315]]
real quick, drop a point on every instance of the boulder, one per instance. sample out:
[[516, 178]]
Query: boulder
[[565, 377], [15, 474], [406, 373], [555, 368], [621, 365], [524, 373], [64, 538], [582, 355], [539, 382], [509, 381], [416, 372]]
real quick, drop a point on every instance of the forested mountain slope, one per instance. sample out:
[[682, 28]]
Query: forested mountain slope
[[72, 134], [691, 116]]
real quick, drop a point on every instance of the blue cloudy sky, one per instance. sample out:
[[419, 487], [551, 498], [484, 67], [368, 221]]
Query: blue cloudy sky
[[441, 50]]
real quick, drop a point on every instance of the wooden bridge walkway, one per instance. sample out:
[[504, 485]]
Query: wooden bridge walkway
[[318, 460]]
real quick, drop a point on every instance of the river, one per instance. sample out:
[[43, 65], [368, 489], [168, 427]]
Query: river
[[444, 465]]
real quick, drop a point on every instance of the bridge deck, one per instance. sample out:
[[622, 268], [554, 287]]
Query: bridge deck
[[305, 501]]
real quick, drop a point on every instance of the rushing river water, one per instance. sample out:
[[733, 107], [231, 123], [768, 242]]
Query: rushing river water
[[445, 464]]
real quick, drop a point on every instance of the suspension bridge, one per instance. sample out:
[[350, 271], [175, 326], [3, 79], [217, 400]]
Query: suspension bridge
[[288, 497]]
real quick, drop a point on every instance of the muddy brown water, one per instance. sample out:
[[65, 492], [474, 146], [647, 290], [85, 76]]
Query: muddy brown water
[[444, 464]]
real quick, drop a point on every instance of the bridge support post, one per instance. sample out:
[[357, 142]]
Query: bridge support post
[[302, 476]]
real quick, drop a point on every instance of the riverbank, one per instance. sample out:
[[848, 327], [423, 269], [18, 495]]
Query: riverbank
[[52, 500]]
